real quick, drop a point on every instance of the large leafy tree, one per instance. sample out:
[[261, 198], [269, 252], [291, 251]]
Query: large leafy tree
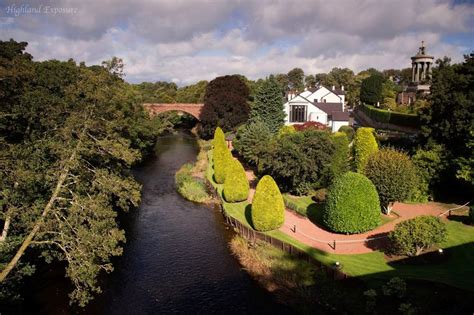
[[67, 142], [296, 79], [225, 105], [371, 89], [268, 105], [450, 119]]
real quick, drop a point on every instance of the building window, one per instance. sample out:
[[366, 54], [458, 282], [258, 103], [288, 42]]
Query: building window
[[298, 113]]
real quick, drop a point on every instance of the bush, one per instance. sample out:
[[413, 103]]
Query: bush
[[393, 174], [310, 125], [413, 236], [395, 287], [286, 130], [364, 146], [320, 195], [340, 158], [236, 185], [221, 158], [391, 117], [219, 137], [189, 187], [352, 205], [300, 162], [268, 208], [349, 131]]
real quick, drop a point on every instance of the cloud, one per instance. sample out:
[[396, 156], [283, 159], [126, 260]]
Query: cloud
[[186, 41]]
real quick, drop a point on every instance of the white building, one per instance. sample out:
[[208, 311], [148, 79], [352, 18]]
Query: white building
[[317, 104]]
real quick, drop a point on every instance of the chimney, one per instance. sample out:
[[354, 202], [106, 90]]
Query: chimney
[[342, 87], [333, 87]]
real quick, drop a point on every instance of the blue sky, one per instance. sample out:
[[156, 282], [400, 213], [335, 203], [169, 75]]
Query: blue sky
[[190, 40]]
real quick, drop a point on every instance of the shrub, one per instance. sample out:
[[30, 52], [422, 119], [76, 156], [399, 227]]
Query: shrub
[[396, 118], [286, 130], [219, 137], [300, 162], [352, 205], [320, 195], [221, 157], [268, 208], [371, 89], [349, 131], [190, 187], [395, 287], [252, 141], [364, 146], [310, 125], [393, 174], [413, 236], [236, 185], [340, 158]]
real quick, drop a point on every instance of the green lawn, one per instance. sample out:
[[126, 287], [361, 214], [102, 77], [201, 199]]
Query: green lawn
[[457, 270]]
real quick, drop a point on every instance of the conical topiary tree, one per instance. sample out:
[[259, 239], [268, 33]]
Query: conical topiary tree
[[268, 208], [364, 146], [219, 137], [221, 158], [236, 185], [352, 205]]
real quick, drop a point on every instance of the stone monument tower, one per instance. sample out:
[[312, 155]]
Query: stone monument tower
[[421, 67]]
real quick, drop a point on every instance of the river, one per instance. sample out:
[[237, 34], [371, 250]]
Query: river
[[176, 258]]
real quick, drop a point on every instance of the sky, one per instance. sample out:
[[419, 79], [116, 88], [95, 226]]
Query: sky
[[185, 41]]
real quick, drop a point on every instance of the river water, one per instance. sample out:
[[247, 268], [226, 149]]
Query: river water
[[176, 259]]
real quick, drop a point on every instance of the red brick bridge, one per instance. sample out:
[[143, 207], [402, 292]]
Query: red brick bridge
[[189, 108]]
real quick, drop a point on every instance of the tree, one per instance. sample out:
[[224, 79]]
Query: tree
[[236, 184], [340, 159], [393, 174], [225, 105], [301, 161], [296, 79], [268, 208], [449, 120], [193, 93], [283, 82], [268, 105], [252, 141], [371, 90], [352, 205], [222, 159], [310, 81], [64, 168], [364, 146], [114, 66], [412, 237], [219, 138]]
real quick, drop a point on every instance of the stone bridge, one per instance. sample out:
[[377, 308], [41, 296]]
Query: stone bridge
[[189, 108]]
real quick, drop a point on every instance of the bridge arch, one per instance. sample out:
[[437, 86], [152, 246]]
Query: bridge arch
[[194, 110]]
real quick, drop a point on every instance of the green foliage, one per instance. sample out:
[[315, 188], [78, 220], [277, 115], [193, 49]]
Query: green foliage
[[393, 174], [296, 78], [340, 158], [320, 195], [412, 237], [301, 161], [69, 135], [364, 146], [286, 130], [471, 214], [191, 188], [349, 131], [268, 208], [193, 93], [252, 141], [219, 138], [371, 89], [352, 205], [236, 185], [386, 116], [268, 105], [396, 287], [431, 163], [225, 105], [222, 159]]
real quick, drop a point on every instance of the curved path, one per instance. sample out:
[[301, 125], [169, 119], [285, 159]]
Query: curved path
[[310, 234]]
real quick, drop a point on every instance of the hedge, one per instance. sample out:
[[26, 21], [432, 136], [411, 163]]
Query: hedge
[[385, 116], [364, 146], [222, 158], [268, 208], [352, 205], [236, 185]]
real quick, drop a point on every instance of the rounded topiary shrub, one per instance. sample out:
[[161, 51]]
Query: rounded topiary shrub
[[219, 137], [268, 208], [352, 205], [221, 158], [236, 185]]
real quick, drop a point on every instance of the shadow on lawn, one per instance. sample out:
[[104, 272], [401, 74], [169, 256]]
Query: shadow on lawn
[[248, 215], [314, 212]]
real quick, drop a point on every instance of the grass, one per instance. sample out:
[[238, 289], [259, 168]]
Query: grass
[[457, 270], [190, 187]]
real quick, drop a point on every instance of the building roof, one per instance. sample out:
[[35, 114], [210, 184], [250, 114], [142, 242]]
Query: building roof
[[340, 116], [328, 108]]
